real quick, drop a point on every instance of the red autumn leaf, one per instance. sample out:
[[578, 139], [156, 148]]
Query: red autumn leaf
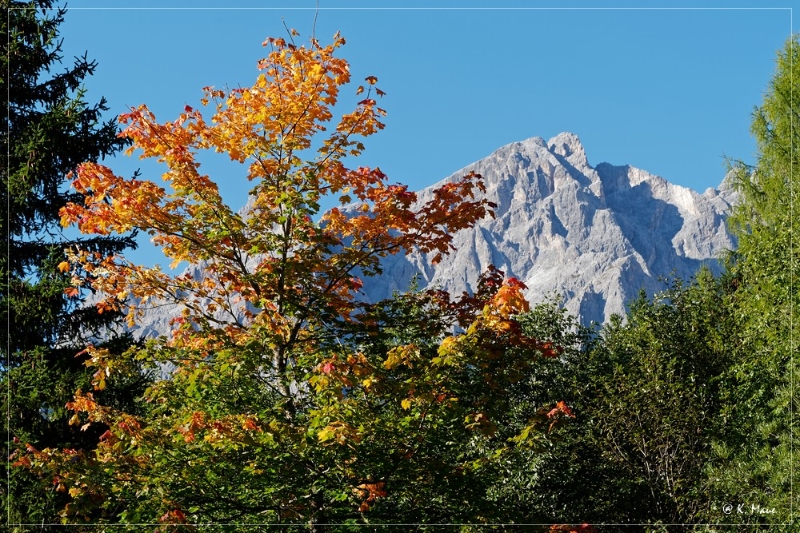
[[173, 516], [516, 284], [72, 292], [560, 408], [547, 349]]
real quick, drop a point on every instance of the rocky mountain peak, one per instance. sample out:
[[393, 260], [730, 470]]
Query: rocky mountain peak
[[568, 146], [594, 236]]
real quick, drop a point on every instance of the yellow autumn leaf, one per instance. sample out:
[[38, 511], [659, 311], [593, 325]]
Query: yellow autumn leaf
[[406, 404], [448, 346], [327, 433]]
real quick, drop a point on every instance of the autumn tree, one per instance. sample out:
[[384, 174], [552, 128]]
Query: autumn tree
[[290, 399], [50, 129]]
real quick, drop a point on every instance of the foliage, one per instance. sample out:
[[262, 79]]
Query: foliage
[[50, 129], [290, 401], [645, 394], [753, 459]]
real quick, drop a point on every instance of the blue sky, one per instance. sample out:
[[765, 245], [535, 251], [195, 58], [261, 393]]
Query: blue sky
[[667, 90]]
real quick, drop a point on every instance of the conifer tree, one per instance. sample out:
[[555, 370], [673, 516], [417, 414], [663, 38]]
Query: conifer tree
[[50, 128], [754, 459]]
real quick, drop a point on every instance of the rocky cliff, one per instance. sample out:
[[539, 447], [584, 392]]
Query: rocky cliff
[[593, 235]]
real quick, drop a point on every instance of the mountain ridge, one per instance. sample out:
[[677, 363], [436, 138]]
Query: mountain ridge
[[593, 235]]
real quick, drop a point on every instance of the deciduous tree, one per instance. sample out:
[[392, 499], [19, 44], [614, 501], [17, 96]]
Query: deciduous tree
[[290, 400], [646, 396]]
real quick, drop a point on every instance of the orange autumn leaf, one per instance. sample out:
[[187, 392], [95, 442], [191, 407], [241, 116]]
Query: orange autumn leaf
[[510, 300], [369, 492], [174, 516], [72, 292], [548, 349], [23, 461], [561, 408]]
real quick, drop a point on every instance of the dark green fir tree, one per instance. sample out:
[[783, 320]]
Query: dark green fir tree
[[49, 129]]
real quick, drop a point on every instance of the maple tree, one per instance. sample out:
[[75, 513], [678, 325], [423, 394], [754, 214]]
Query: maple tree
[[289, 399]]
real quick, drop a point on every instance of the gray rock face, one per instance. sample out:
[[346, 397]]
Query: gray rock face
[[593, 235]]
